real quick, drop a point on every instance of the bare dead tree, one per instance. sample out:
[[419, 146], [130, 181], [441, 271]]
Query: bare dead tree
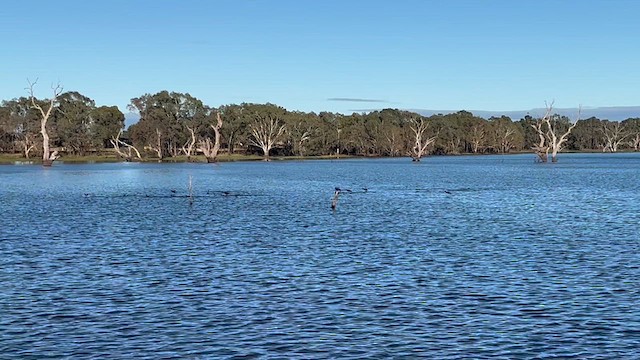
[[126, 154], [542, 148], [419, 128], [266, 131], [614, 134], [210, 148], [549, 134], [189, 146], [48, 157], [555, 140]]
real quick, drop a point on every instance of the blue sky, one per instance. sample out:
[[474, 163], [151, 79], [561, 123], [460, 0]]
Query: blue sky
[[316, 55]]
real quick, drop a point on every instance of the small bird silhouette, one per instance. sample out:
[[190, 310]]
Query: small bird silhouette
[[447, 192], [173, 191], [338, 189]]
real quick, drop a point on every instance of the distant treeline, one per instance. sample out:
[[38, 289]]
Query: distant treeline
[[174, 124]]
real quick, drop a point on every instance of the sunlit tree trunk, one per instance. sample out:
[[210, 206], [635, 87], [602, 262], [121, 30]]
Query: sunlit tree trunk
[[635, 142], [127, 155], [48, 157], [614, 134], [541, 149], [210, 148], [556, 141], [477, 137], [189, 146], [27, 144], [265, 133], [157, 148], [550, 138], [421, 140]]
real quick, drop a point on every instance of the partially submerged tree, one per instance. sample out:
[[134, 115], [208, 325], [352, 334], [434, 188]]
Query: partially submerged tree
[[422, 141], [48, 157], [553, 131], [541, 148]]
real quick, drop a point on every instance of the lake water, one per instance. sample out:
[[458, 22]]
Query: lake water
[[455, 257]]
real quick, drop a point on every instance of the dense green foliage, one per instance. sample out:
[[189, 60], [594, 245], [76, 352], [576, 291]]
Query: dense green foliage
[[173, 124]]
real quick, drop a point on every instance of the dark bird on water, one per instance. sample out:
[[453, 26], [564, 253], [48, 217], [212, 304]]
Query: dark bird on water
[[447, 192], [365, 189], [338, 189], [173, 191]]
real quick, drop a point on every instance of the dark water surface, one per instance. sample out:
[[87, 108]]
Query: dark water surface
[[456, 257]]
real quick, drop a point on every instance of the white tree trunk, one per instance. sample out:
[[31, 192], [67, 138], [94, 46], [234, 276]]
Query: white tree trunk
[[265, 133], [422, 142], [127, 155], [48, 157], [209, 148]]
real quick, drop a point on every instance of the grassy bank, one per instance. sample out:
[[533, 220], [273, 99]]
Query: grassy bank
[[111, 158]]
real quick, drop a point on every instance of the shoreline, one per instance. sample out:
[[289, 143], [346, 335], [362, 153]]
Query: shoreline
[[17, 159]]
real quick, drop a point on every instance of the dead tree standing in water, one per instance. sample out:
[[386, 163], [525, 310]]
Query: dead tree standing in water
[[549, 133], [48, 157]]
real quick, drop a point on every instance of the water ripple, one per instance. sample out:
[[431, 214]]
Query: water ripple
[[111, 261]]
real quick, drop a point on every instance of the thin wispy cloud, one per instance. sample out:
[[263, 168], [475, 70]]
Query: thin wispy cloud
[[357, 100]]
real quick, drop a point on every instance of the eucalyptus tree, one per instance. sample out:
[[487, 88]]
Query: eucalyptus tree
[[74, 122], [267, 126], [235, 125], [106, 121], [6, 136], [553, 131], [209, 147], [390, 135], [22, 123], [353, 140], [476, 134], [331, 126], [301, 128], [422, 137], [124, 149], [45, 108], [452, 136], [633, 126], [164, 118], [587, 135], [614, 134], [506, 135]]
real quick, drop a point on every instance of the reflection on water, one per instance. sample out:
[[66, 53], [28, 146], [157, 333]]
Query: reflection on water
[[456, 257]]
